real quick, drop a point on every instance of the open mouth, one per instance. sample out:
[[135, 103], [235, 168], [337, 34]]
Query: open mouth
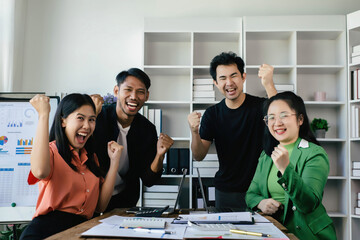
[[280, 131], [81, 137], [132, 106], [231, 91]]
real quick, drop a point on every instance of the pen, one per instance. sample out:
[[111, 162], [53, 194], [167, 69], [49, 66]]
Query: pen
[[147, 230], [249, 233]]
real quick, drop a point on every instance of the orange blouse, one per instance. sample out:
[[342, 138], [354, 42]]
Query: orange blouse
[[66, 190]]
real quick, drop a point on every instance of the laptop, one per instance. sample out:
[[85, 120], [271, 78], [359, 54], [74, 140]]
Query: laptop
[[211, 209], [167, 210]]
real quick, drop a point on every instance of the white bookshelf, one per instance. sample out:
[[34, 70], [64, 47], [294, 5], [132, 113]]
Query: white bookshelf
[[176, 51], [310, 55], [307, 51], [353, 33]]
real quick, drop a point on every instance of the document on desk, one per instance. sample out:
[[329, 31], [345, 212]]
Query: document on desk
[[111, 227], [229, 217], [264, 228]]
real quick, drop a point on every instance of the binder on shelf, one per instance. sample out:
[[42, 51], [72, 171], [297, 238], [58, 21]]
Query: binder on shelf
[[151, 116], [165, 167], [184, 159], [357, 211], [173, 161], [158, 120]]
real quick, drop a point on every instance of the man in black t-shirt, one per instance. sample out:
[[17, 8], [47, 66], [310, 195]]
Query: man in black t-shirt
[[236, 126]]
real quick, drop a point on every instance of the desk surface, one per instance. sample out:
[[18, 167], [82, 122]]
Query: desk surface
[[75, 232]]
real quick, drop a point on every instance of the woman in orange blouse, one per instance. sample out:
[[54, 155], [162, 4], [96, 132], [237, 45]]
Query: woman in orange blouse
[[71, 184]]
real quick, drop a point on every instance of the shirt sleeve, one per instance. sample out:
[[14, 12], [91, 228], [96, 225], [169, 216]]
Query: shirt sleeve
[[33, 180], [206, 130]]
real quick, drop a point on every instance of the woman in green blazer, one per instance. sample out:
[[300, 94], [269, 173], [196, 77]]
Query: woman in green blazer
[[292, 171]]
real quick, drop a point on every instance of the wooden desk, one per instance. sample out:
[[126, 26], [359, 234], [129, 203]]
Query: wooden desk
[[75, 232]]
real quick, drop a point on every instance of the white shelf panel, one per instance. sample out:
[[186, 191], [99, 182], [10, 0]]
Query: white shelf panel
[[337, 214], [319, 69], [336, 178], [355, 216], [169, 102], [160, 67], [325, 103], [331, 139]]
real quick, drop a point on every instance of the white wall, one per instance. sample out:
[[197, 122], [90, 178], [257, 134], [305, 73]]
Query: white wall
[[80, 45]]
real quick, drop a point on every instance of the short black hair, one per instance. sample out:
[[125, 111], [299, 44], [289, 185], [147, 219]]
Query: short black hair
[[135, 72], [296, 103], [226, 58]]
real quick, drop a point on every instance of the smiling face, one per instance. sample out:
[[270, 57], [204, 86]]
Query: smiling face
[[230, 82], [79, 126], [283, 123], [131, 96]]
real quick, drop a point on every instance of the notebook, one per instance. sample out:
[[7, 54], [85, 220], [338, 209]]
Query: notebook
[[167, 211], [211, 209]]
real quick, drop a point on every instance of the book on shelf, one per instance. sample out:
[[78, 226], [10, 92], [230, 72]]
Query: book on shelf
[[356, 48], [356, 172], [355, 59], [201, 81], [204, 94], [357, 211], [358, 195], [354, 54], [358, 203], [162, 188], [204, 87], [158, 202], [356, 165], [151, 116], [203, 99], [144, 111], [206, 164], [284, 87], [165, 168], [159, 195]]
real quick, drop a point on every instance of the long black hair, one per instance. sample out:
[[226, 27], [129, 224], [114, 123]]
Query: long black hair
[[67, 106], [297, 104]]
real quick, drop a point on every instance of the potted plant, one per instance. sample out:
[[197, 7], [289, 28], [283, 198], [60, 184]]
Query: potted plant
[[319, 126]]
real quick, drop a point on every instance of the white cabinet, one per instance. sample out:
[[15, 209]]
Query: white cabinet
[[353, 32], [176, 51]]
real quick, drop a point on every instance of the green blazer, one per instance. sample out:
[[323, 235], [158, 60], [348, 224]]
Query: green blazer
[[303, 181]]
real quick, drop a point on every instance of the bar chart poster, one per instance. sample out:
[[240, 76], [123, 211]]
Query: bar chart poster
[[18, 122]]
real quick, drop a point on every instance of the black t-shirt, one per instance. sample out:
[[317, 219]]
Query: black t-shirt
[[238, 135]]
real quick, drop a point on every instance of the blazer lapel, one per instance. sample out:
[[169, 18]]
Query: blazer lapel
[[294, 158]]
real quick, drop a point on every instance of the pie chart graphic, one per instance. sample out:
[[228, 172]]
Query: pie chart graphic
[[3, 140]]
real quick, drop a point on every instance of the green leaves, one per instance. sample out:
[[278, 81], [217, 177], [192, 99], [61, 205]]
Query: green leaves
[[319, 123]]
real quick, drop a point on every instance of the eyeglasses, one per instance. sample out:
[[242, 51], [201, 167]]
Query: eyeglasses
[[270, 119]]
